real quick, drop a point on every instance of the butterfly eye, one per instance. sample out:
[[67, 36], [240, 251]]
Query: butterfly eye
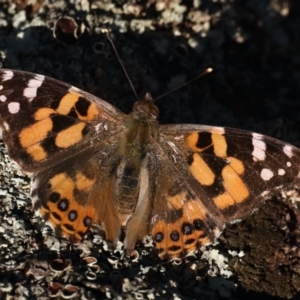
[[146, 107]]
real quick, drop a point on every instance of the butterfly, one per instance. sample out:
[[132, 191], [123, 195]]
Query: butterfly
[[91, 163]]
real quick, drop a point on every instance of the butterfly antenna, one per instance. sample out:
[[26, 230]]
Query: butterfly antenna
[[207, 71], [121, 63]]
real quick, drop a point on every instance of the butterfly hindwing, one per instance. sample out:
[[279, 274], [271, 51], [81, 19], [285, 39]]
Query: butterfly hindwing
[[79, 192], [180, 221]]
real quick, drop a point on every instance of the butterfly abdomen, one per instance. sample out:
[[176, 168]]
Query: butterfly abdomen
[[127, 186]]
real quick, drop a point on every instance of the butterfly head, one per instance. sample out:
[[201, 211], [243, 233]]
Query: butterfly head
[[146, 108]]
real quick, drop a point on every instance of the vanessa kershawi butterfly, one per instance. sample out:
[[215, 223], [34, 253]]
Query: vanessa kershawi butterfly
[[91, 163]]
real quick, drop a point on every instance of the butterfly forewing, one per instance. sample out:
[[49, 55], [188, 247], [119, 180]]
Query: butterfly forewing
[[233, 170], [45, 120]]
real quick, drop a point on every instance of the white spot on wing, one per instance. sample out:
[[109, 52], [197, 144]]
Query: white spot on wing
[[178, 138], [266, 174], [32, 87], [7, 75], [39, 77], [1, 87], [257, 136], [281, 172], [259, 147], [3, 98], [288, 150], [289, 164], [154, 219], [265, 193], [74, 89], [14, 107], [6, 126], [30, 93]]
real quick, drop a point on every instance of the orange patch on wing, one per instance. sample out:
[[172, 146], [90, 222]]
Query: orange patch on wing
[[234, 185], [185, 241], [190, 240], [236, 165], [92, 112], [190, 246], [224, 201], [70, 136], [43, 113], [82, 182], [174, 248], [67, 103], [53, 212], [177, 201], [63, 185], [192, 140], [90, 212], [201, 171], [35, 133], [193, 210], [36, 152], [220, 145], [74, 229], [160, 227]]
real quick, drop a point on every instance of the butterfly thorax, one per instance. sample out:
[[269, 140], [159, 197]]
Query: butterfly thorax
[[141, 133]]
